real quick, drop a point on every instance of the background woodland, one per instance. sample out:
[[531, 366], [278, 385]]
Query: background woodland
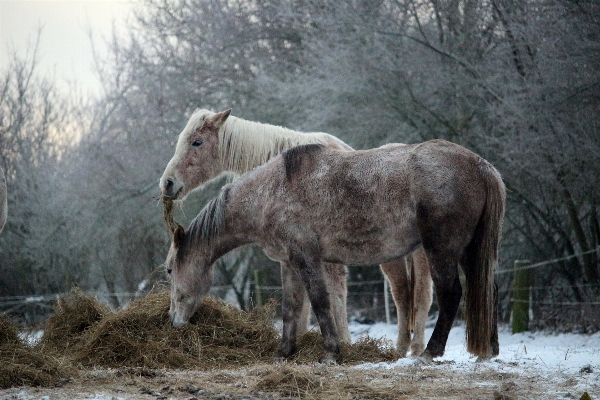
[[517, 81]]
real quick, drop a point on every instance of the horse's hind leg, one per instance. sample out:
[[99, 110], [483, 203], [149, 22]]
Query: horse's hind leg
[[422, 298], [295, 309], [444, 271]]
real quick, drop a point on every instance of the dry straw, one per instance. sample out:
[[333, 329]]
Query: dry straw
[[73, 315], [85, 333], [220, 335], [168, 211], [22, 365]]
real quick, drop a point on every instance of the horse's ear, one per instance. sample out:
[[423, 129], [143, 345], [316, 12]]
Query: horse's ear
[[220, 118], [178, 236]]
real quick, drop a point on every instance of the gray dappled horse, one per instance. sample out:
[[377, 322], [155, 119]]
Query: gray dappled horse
[[3, 199], [213, 143], [311, 205]]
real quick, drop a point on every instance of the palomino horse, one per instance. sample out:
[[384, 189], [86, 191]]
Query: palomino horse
[[213, 143], [311, 205], [3, 199]]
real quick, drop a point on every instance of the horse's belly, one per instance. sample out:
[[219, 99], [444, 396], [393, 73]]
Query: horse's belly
[[367, 251]]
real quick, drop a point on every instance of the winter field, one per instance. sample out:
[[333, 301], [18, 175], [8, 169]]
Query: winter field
[[530, 366]]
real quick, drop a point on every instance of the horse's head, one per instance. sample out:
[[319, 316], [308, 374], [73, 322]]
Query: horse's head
[[196, 159], [191, 277]]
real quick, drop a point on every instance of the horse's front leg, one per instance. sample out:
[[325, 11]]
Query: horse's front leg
[[397, 273], [311, 270], [335, 275], [295, 310]]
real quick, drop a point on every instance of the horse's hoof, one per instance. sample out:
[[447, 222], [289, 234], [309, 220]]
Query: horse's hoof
[[425, 358], [482, 359], [415, 351], [328, 359], [279, 360]]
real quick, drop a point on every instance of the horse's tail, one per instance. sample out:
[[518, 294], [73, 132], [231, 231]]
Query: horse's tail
[[479, 262]]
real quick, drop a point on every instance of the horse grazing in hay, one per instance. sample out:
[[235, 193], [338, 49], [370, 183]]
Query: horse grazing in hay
[[213, 143], [311, 205], [3, 199]]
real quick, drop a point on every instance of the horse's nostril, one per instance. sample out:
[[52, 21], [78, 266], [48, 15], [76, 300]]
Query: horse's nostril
[[169, 184]]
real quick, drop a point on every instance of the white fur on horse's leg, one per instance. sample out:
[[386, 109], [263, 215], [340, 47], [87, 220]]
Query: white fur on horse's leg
[[336, 275], [423, 297], [403, 341]]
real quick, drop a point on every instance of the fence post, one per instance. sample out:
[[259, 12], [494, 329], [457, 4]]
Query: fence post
[[386, 299], [257, 290], [520, 296]]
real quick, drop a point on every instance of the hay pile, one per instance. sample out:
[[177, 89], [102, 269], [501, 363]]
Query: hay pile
[[73, 315], [310, 349], [23, 365], [88, 334], [220, 335]]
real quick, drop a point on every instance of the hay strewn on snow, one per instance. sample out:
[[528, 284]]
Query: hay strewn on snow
[[23, 365], [87, 333], [310, 349]]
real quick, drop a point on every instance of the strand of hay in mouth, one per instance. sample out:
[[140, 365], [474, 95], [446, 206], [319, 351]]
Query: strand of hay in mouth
[[219, 335], [23, 365], [168, 211], [366, 349]]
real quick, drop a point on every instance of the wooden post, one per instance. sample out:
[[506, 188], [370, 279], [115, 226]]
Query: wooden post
[[258, 292], [520, 296], [386, 299]]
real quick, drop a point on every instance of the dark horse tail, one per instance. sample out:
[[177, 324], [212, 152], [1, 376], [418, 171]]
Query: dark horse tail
[[479, 262]]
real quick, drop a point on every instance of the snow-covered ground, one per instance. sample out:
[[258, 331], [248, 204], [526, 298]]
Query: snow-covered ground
[[562, 356]]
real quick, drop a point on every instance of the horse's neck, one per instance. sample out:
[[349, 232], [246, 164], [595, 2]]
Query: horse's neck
[[237, 230], [245, 145]]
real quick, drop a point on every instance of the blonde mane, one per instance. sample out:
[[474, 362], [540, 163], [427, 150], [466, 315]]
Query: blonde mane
[[245, 145]]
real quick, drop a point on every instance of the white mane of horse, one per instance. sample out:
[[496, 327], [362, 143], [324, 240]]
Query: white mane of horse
[[245, 145]]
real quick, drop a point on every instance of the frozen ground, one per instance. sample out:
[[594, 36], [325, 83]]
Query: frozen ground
[[555, 357], [530, 366]]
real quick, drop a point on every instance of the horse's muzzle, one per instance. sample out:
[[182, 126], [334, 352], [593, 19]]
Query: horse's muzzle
[[175, 321], [170, 188]]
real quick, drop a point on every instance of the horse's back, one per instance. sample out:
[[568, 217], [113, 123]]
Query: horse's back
[[371, 206]]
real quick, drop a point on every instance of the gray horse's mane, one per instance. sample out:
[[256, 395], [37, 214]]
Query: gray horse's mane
[[245, 145], [207, 225]]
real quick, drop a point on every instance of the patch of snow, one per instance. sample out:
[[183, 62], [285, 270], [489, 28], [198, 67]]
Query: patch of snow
[[555, 357]]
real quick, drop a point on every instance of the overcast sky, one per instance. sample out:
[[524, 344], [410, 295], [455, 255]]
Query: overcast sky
[[65, 49]]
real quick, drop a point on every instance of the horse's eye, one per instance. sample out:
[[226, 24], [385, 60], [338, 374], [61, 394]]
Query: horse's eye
[[169, 271], [196, 143]]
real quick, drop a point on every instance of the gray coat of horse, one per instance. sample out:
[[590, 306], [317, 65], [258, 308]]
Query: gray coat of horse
[[311, 205]]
